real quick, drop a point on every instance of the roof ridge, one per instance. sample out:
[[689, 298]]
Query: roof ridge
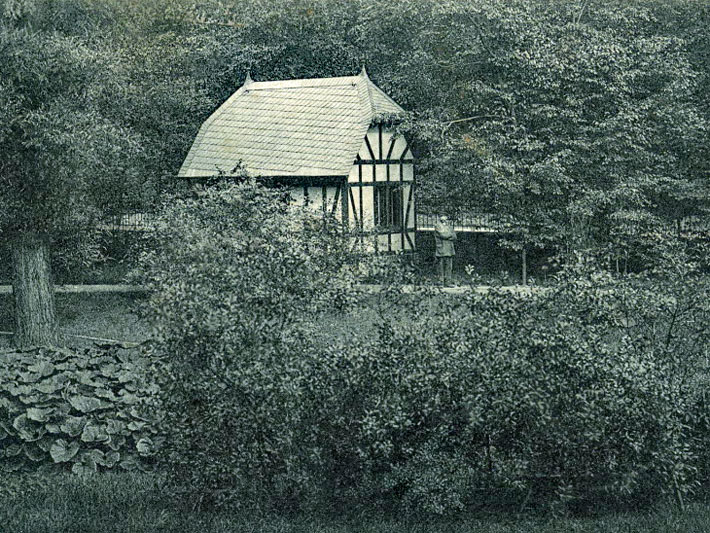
[[252, 88], [303, 82], [373, 112]]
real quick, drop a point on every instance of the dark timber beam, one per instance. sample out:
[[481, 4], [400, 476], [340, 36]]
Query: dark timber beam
[[402, 217], [383, 184], [344, 201], [291, 181], [382, 161]]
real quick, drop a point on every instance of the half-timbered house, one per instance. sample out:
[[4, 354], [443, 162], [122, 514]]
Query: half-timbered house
[[329, 140]]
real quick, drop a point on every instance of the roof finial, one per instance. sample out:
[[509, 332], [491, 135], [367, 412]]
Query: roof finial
[[363, 72], [248, 77]]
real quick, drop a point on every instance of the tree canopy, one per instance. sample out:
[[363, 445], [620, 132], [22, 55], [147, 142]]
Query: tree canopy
[[75, 142], [582, 123]]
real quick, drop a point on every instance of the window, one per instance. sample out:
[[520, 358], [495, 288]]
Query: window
[[388, 206]]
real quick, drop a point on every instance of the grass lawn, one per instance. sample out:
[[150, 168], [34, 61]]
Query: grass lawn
[[116, 316], [134, 503], [104, 315]]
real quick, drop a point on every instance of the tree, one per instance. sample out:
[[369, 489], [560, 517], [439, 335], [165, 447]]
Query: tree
[[581, 123], [98, 105], [61, 155]]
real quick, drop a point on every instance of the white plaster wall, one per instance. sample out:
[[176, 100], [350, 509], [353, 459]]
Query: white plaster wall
[[379, 172], [368, 209], [314, 199]]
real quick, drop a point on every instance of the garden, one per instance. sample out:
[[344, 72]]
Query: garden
[[264, 383], [268, 376]]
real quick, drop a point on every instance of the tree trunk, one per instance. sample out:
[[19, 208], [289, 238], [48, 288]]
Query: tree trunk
[[35, 321], [524, 266]]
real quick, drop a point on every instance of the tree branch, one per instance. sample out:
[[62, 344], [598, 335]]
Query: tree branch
[[479, 31], [580, 13]]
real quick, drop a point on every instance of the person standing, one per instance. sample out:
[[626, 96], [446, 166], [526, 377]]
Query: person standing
[[444, 236]]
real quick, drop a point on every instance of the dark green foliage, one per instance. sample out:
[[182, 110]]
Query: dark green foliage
[[594, 386], [237, 279], [512, 108], [83, 410], [582, 123]]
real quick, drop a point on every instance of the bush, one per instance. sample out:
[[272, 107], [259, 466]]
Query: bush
[[83, 411], [593, 385], [238, 278]]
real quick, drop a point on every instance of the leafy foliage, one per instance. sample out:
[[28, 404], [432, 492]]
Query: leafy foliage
[[575, 144], [512, 108], [57, 143], [83, 411], [514, 111], [237, 278], [90, 112], [595, 384]]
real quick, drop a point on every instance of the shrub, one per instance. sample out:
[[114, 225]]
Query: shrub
[[591, 386], [84, 411], [598, 383], [595, 384], [237, 279]]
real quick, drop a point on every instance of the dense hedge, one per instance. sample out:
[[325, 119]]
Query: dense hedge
[[593, 386], [80, 410], [235, 276], [495, 391], [596, 385]]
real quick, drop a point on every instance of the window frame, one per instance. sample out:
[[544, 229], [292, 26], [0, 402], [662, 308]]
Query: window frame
[[390, 218]]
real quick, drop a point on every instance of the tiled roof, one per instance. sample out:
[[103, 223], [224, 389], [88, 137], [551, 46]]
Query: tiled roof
[[310, 127]]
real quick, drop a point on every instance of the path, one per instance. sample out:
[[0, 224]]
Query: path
[[372, 289], [7, 289]]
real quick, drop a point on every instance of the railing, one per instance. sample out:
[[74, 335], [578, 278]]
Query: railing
[[488, 223], [484, 223], [478, 223], [127, 222]]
